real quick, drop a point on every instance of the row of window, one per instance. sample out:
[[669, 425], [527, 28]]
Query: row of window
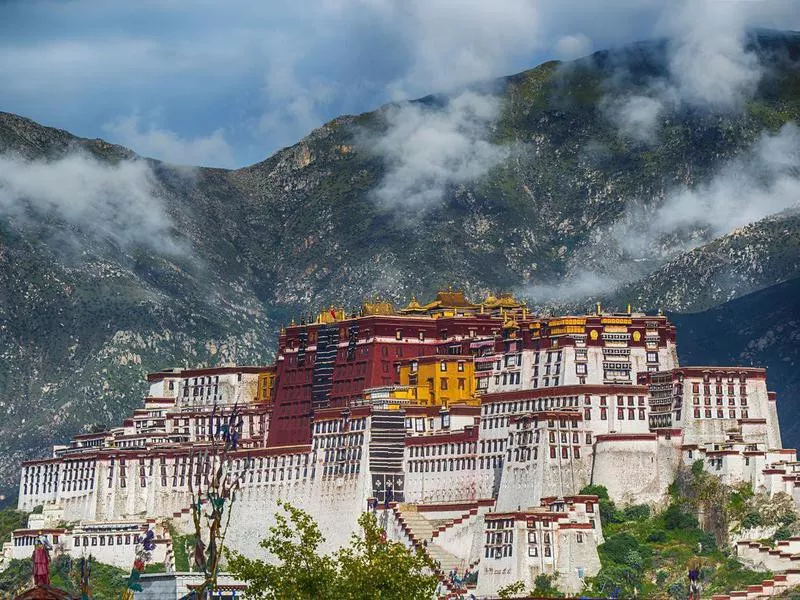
[[338, 425], [442, 449], [103, 540], [720, 414], [439, 465]]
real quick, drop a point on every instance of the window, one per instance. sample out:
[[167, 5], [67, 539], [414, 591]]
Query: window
[[460, 366], [580, 368], [419, 424], [443, 383], [603, 414], [533, 551], [398, 334], [421, 336], [443, 367], [621, 414]]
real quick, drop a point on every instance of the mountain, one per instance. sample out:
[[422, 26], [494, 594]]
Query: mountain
[[760, 329], [113, 265]]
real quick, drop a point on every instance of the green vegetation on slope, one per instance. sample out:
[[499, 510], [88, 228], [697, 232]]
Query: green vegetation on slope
[[652, 554]]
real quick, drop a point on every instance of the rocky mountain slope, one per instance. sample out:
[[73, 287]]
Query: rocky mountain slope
[[112, 265]]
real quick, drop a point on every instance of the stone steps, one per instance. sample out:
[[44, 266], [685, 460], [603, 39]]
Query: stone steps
[[766, 589]]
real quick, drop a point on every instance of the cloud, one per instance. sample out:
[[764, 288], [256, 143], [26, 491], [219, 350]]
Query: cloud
[[709, 66], [211, 150], [763, 181], [427, 149], [636, 117], [106, 202], [709, 63], [573, 46]]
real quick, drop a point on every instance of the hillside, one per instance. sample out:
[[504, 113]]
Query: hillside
[[112, 265]]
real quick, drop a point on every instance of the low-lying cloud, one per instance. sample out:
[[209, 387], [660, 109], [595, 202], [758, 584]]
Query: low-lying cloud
[[427, 149], [106, 202], [708, 67], [763, 181], [149, 140]]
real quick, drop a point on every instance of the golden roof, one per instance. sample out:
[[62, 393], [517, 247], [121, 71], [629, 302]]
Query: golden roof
[[377, 308], [413, 307], [450, 299]]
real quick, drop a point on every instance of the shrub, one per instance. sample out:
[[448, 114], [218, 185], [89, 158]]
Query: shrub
[[783, 533], [751, 519], [608, 512], [709, 543], [676, 518], [617, 547], [697, 468], [595, 490], [657, 535], [636, 512]]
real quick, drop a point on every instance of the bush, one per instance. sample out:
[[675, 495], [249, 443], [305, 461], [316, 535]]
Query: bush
[[783, 533], [709, 543], [657, 535], [595, 490], [636, 512], [750, 520], [676, 518], [608, 512], [697, 468], [617, 547]]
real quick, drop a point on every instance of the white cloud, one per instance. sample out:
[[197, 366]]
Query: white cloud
[[764, 181], [635, 116], [709, 63], [428, 149], [211, 150], [570, 47], [116, 202], [761, 183]]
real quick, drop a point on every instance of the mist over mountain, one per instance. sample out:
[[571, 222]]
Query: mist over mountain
[[633, 174]]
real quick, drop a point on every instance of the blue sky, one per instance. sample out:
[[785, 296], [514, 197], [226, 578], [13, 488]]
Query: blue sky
[[228, 83]]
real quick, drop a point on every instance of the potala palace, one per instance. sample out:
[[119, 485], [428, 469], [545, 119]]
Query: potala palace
[[473, 426]]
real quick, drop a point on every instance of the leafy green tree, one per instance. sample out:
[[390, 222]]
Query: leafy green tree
[[369, 567], [545, 585], [300, 573], [373, 567], [511, 590]]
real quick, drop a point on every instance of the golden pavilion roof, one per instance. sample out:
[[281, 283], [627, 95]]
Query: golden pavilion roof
[[450, 299], [414, 307], [378, 307]]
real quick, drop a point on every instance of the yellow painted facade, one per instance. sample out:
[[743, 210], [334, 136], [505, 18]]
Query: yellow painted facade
[[440, 380], [266, 385]]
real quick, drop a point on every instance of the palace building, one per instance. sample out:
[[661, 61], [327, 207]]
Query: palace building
[[470, 427]]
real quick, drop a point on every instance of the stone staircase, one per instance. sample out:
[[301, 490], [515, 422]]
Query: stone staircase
[[422, 531], [784, 557], [766, 589]]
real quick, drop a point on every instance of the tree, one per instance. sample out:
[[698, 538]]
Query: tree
[[300, 573], [511, 590], [369, 567], [213, 483], [545, 585], [373, 567]]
